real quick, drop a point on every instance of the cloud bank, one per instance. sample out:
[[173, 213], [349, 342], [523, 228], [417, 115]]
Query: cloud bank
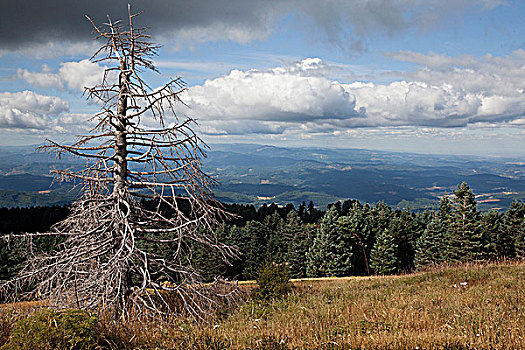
[[445, 92], [301, 98]]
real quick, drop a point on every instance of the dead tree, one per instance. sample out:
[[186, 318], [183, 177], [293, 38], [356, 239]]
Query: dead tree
[[104, 260]]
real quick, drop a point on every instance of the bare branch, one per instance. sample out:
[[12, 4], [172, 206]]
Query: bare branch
[[106, 258]]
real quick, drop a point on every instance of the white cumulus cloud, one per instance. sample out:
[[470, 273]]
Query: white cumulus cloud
[[29, 110], [70, 75], [496, 82], [444, 92], [414, 103], [285, 94], [301, 98]]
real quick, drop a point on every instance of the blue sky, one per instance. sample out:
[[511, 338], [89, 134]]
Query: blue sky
[[409, 75]]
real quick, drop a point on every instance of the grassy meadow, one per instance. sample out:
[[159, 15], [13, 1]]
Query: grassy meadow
[[466, 307]]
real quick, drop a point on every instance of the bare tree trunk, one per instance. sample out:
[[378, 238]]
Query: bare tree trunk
[[106, 260], [120, 174], [121, 143]]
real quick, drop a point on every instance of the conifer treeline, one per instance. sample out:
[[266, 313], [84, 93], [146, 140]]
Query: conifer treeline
[[355, 239], [17, 220], [348, 239]]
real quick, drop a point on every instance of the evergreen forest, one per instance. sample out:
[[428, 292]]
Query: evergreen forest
[[349, 238]]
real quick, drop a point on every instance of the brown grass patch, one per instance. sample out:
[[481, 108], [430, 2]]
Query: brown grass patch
[[422, 310]]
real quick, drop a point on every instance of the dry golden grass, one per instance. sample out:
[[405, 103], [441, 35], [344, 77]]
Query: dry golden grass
[[418, 311], [422, 311]]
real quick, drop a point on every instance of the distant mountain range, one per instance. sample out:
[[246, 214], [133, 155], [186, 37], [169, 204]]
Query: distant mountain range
[[258, 174]]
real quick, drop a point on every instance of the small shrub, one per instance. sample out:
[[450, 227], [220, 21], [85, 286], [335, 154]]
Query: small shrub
[[273, 282], [50, 329]]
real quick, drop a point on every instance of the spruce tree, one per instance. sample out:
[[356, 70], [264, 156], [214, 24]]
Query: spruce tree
[[518, 229], [313, 214], [349, 205], [277, 244], [402, 225], [316, 257], [356, 230], [465, 231], [297, 234], [379, 218], [520, 242], [330, 254], [254, 247], [445, 209], [234, 235], [139, 146], [492, 227], [383, 258], [207, 262], [12, 257], [509, 238], [422, 220], [432, 246]]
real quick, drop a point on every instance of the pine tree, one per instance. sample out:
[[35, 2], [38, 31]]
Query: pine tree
[[383, 258], [508, 240], [330, 254], [402, 225], [297, 234], [492, 227], [254, 247], [356, 230], [432, 246], [465, 232]]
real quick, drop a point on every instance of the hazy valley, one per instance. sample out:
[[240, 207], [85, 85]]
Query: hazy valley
[[257, 174]]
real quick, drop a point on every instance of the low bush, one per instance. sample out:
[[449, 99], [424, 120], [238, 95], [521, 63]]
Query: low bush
[[50, 329], [273, 282]]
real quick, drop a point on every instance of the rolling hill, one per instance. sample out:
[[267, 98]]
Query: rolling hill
[[258, 174]]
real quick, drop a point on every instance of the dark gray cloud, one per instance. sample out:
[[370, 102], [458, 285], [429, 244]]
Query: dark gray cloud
[[345, 22], [35, 21]]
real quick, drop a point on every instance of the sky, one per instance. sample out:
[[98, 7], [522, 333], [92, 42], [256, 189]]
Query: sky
[[426, 76]]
